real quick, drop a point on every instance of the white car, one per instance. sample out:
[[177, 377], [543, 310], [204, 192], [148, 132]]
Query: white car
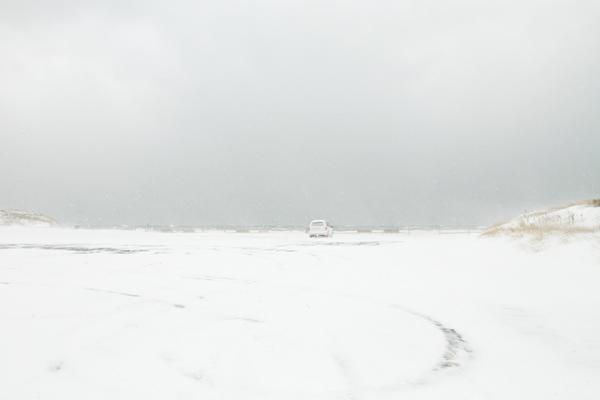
[[319, 227]]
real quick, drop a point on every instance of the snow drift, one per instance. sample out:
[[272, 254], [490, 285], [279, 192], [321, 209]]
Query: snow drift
[[583, 216]]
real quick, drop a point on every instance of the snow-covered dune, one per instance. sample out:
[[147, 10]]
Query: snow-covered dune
[[579, 217], [24, 218]]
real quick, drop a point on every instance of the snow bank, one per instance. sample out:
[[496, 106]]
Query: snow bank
[[579, 217], [27, 218]]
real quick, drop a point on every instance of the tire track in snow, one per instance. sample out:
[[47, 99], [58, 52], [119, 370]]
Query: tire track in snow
[[83, 248], [457, 351], [135, 295]]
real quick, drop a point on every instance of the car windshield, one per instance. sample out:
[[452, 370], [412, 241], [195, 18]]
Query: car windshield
[[317, 223]]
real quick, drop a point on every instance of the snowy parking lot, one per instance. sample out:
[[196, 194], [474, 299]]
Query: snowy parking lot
[[113, 314]]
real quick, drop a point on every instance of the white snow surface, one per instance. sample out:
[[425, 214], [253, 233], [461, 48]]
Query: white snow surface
[[100, 314]]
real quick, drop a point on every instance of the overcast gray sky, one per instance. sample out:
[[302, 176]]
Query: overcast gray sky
[[280, 111]]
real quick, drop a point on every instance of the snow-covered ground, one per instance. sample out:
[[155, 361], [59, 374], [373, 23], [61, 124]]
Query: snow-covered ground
[[90, 314]]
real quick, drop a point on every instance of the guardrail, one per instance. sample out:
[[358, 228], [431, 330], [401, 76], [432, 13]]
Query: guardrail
[[440, 229]]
